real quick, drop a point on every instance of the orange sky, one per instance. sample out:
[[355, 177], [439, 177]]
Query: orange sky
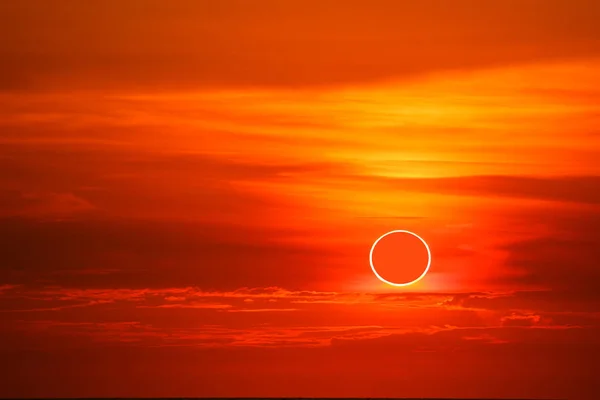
[[189, 191]]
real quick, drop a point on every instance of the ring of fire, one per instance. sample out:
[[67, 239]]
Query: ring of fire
[[394, 283]]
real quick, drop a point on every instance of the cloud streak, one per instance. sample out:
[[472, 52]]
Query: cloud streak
[[170, 45]]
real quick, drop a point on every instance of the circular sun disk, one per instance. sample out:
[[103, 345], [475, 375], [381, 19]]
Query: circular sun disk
[[394, 283]]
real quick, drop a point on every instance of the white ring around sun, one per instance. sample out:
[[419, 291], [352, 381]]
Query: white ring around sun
[[393, 283]]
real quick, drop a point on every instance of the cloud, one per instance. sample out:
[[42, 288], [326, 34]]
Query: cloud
[[6, 288], [56, 308], [202, 336], [138, 252], [549, 301], [140, 334], [576, 189], [515, 319], [41, 180], [477, 309], [204, 306], [470, 366], [43, 204], [252, 310], [562, 258], [246, 299], [261, 45]]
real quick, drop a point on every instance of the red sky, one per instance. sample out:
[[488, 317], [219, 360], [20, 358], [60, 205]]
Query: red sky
[[189, 191]]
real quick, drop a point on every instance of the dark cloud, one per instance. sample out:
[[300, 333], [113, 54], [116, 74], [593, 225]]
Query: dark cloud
[[148, 219], [564, 259], [577, 189], [43, 204], [124, 182], [231, 43], [459, 367], [38, 167], [514, 344], [152, 254]]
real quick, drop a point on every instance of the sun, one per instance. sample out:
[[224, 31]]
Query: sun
[[400, 251]]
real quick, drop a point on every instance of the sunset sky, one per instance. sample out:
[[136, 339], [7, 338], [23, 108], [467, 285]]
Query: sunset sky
[[189, 191]]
